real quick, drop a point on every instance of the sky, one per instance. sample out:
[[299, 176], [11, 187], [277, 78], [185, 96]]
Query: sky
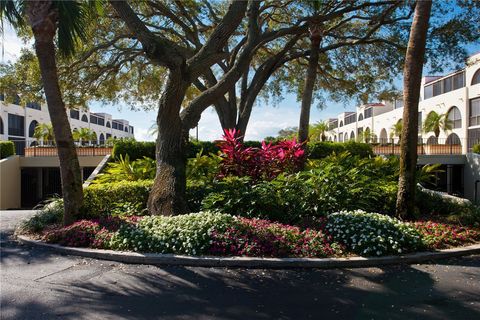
[[266, 119]]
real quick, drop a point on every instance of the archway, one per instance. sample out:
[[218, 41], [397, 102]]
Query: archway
[[476, 77], [352, 135], [84, 118], [455, 117], [432, 140], [453, 139], [102, 139], [1, 125], [383, 136], [31, 128]]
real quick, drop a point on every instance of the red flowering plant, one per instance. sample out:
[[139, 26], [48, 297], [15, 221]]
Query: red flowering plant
[[264, 163], [262, 238], [88, 233], [440, 235]]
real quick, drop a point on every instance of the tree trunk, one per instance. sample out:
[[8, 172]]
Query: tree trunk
[[412, 74], [308, 88], [168, 192], [43, 21]]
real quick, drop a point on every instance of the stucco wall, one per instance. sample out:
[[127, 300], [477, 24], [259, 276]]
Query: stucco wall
[[472, 174], [10, 188]]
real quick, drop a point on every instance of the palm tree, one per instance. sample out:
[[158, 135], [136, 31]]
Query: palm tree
[[412, 81], [396, 130], [46, 19], [311, 77], [436, 122], [84, 135], [318, 130], [44, 131]]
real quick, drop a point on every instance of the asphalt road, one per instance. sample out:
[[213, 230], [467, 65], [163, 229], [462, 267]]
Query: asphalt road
[[39, 284]]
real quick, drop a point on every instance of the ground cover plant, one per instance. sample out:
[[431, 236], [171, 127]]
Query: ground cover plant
[[214, 233]]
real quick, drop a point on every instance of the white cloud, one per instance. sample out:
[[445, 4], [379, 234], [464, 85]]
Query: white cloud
[[142, 134], [10, 44]]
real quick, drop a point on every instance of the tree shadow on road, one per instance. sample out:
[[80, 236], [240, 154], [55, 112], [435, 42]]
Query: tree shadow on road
[[148, 292]]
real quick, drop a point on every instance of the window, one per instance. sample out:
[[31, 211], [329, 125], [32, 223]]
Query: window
[[368, 113], [74, 114], [476, 77], [458, 81], [2, 97], [84, 118], [350, 118], [101, 121], [102, 138], [108, 124], [93, 119], [475, 112], [131, 130], [31, 128], [126, 129], [120, 127], [456, 118], [454, 82], [437, 88], [16, 125], [428, 92], [114, 125], [1, 125], [341, 124], [360, 117], [34, 105]]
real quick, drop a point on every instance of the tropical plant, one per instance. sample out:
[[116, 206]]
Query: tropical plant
[[44, 131], [84, 135], [66, 21], [428, 173], [396, 129], [125, 170], [318, 130], [435, 122], [266, 162]]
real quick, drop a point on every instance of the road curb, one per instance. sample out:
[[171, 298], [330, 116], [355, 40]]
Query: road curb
[[253, 262]]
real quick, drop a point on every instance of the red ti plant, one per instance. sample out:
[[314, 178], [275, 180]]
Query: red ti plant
[[266, 162]]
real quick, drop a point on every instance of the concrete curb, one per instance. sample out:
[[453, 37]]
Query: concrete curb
[[253, 262]]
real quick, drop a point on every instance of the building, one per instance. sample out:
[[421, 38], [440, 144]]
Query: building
[[17, 123], [33, 174], [456, 94]]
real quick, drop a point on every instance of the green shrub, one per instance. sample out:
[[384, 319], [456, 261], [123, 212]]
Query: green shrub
[[476, 148], [134, 149], [370, 234], [123, 169], [101, 199], [184, 234], [339, 182], [7, 149], [51, 213], [319, 150]]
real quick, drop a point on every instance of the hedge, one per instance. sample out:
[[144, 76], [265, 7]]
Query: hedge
[[100, 199], [7, 149], [140, 149], [319, 150]]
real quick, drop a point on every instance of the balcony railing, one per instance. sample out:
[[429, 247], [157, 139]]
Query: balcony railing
[[34, 148], [424, 147]]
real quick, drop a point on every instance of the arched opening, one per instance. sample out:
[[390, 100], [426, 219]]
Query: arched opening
[[102, 139], [84, 118], [108, 124], [33, 144], [345, 137], [432, 140], [360, 117], [341, 124], [455, 117], [1, 125], [335, 139], [453, 139], [367, 135], [31, 128], [476, 77], [383, 136], [352, 135]]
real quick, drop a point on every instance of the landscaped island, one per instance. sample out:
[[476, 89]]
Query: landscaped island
[[278, 199]]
